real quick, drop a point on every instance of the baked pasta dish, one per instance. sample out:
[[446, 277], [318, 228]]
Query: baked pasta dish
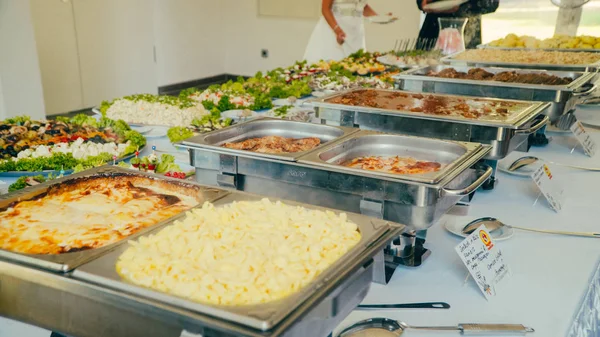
[[242, 253], [91, 212]]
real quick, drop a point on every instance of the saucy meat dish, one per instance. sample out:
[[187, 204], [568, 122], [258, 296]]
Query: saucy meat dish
[[480, 74], [471, 108], [396, 165], [275, 144]]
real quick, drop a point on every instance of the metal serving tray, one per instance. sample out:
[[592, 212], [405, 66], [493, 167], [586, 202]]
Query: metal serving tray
[[372, 143], [513, 120], [574, 50], [262, 127], [78, 308], [563, 97], [68, 261], [592, 67], [396, 198], [504, 137], [375, 234]]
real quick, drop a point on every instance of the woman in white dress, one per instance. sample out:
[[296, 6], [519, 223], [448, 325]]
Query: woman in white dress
[[340, 31]]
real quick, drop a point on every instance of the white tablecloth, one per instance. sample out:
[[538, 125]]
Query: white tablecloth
[[551, 274]]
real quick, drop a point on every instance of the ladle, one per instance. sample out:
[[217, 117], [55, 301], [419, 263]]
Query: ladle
[[385, 327], [528, 160], [493, 224]]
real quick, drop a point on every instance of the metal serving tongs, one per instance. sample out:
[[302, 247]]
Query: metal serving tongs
[[385, 327]]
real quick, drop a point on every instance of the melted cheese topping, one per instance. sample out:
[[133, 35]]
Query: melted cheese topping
[[243, 253], [87, 215]]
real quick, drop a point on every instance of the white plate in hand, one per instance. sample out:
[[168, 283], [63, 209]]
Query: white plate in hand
[[455, 227], [382, 19], [444, 5]]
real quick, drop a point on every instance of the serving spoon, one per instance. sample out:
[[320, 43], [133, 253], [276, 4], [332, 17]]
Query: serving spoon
[[528, 160], [385, 327], [493, 224]]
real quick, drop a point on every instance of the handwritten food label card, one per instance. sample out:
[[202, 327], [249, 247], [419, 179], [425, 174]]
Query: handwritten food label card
[[588, 144], [549, 187], [484, 260]]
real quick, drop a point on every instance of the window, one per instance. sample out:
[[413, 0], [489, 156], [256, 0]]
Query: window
[[535, 18], [590, 19]]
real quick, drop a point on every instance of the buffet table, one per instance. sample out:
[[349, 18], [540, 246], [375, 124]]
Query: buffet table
[[551, 275]]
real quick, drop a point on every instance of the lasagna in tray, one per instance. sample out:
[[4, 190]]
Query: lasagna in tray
[[91, 212]]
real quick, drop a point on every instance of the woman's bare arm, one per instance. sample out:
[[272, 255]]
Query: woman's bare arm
[[328, 14], [326, 5], [369, 11]]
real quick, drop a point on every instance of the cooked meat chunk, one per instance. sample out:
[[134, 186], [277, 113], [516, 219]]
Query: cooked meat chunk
[[275, 144]]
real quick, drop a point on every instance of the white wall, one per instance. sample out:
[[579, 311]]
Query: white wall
[[189, 39], [193, 39], [286, 39], [2, 105], [19, 69]]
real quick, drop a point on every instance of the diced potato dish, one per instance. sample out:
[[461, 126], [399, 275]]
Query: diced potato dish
[[243, 253], [558, 41]]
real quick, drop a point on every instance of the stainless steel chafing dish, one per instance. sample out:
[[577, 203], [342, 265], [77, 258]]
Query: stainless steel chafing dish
[[354, 265], [316, 178], [81, 303], [592, 67], [68, 261], [504, 136], [563, 97]]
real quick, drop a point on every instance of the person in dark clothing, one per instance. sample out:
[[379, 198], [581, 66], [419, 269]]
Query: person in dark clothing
[[472, 10]]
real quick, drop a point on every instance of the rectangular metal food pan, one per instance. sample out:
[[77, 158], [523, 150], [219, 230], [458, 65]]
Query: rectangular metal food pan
[[516, 118], [573, 50], [68, 261], [563, 97], [262, 127], [375, 233], [592, 67], [579, 78], [372, 143], [56, 302]]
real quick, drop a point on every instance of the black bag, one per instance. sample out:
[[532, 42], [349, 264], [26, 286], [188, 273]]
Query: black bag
[[471, 8], [477, 7]]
